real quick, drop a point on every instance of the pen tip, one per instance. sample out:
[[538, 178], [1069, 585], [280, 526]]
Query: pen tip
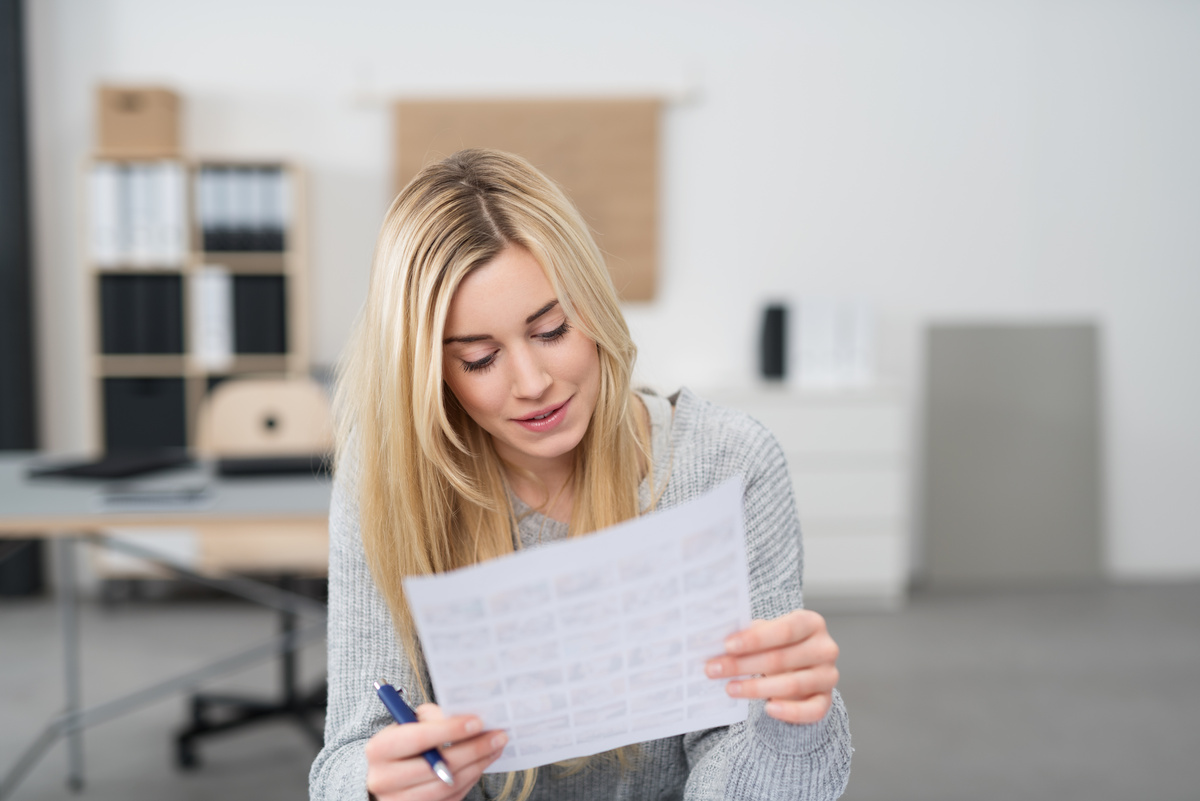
[[378, 686], [443, 773]]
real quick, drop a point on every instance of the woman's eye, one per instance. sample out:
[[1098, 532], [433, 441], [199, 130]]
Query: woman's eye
[[481, 364], [557, 333]]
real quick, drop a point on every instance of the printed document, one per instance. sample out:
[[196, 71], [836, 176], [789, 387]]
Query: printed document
[[588, 644]]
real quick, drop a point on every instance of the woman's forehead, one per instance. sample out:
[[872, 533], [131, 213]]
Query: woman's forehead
[[507, 291]]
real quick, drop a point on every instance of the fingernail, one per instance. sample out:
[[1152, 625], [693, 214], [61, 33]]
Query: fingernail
[[499, 740], [774, 708], [733, 688], [714, 669], [733, 644], [474, 726]]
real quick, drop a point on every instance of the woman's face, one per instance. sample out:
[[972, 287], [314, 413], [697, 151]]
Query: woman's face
[[516, 365]]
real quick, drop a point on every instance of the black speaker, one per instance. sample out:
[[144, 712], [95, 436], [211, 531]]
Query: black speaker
[[773, 351]]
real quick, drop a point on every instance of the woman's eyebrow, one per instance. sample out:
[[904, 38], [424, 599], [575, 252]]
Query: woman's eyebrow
[[480, 337], [471, 338], [541, 311]]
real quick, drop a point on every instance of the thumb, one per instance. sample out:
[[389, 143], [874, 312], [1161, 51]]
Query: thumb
[[427, 713]]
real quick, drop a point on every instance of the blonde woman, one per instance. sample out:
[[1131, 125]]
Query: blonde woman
[[485, 406]]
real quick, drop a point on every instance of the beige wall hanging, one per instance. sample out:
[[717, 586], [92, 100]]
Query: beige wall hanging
[[604, 153]]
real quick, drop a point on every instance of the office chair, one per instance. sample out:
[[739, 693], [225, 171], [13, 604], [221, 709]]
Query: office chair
[[258, 420]]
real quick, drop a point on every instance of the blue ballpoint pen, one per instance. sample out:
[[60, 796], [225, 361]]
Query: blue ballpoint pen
[[403, 713]]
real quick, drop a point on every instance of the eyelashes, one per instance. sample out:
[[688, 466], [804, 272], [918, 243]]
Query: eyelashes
[[479, 366], [556, 334], [548, 337]]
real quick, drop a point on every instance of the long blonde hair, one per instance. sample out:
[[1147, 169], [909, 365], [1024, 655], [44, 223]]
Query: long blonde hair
[[432, 492]]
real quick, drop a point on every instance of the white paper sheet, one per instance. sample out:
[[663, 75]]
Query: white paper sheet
[[586, 645]]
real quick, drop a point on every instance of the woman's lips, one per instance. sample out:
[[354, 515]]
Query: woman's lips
[[556, 415]]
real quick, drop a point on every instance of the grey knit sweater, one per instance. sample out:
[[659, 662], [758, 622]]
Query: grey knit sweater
[[696, 447]]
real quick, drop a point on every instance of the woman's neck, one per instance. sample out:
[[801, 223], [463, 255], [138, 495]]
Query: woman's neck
[[550, 492], [548, 487]]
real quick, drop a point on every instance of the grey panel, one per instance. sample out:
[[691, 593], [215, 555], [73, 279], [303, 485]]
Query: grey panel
[[1012, 454]]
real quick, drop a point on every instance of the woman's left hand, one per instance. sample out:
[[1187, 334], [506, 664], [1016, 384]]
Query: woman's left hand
[[793, 662]]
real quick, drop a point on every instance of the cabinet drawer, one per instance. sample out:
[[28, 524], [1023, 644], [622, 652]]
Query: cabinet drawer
[[859, 564], [849, 493], [810, 427]]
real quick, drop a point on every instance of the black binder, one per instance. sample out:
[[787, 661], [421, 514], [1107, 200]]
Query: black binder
[[141, 314], [259, 314]]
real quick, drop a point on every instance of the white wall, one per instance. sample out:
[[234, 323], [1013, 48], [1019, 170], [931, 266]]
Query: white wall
[[962, 159]]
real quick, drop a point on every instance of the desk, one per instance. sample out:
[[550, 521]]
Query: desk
[[72, 511]]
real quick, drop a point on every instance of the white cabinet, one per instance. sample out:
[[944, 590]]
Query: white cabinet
[[849, 457]]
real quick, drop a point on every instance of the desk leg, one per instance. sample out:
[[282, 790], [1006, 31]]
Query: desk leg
[[291, 698], [69, 608]]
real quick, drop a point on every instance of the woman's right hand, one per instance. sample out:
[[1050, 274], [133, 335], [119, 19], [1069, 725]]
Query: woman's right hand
[[397, 770]]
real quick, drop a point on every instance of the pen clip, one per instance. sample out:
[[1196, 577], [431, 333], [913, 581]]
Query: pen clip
[[399, 690]]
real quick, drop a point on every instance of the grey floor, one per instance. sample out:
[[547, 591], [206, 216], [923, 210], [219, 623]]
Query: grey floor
[[127, 646], [1084, 693]]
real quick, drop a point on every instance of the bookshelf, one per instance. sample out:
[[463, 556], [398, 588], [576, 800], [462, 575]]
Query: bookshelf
[[196, 273]]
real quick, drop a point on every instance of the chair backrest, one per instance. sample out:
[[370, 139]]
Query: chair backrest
[[265, 417]]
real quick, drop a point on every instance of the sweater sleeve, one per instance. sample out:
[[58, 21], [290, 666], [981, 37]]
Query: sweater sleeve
[[363, 648], [765, 758]]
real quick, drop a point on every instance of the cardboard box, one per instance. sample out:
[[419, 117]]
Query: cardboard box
[[137, 122]]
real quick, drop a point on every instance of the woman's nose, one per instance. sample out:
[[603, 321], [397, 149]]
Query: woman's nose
[[530, 379]]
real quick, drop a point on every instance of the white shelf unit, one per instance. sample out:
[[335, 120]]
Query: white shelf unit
[[849, 457], [115, 225], [181, 262]]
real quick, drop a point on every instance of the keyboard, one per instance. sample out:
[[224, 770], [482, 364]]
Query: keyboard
[[313, 464]]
